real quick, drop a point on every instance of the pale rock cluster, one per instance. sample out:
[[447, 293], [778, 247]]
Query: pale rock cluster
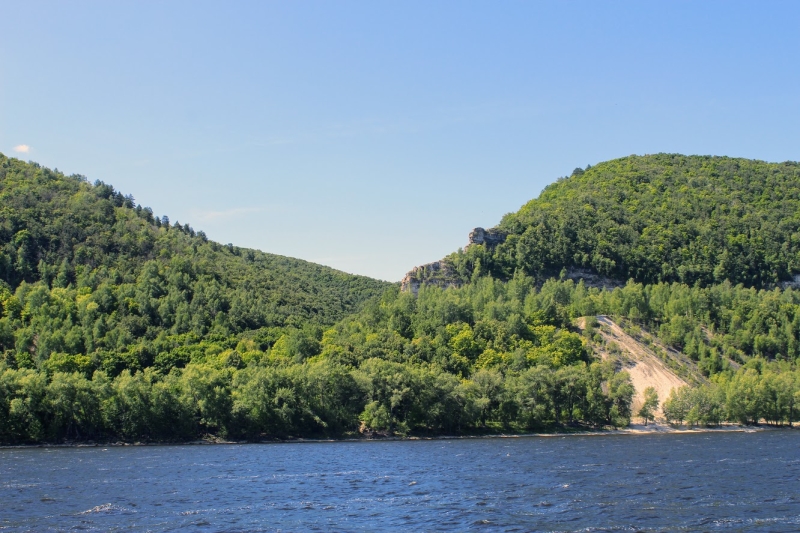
[[440, 273], [490, 237]]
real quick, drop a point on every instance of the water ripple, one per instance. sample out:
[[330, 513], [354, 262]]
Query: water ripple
[[730, 482]]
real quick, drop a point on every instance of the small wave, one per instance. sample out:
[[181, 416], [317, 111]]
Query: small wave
[[107, 508]]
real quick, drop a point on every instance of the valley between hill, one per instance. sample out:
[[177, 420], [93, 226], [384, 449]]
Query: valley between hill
[[666, 271]]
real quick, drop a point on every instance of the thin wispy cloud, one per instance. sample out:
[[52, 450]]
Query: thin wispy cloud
[[22, 148], [227, 213]]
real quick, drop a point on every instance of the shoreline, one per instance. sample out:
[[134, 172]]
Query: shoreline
[[633, 429]]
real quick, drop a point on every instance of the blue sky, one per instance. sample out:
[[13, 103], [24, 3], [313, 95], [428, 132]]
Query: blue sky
[[373, 136]]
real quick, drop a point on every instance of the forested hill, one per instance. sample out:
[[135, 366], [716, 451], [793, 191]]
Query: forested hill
[[664, 217], [118, 325], [87, 272]]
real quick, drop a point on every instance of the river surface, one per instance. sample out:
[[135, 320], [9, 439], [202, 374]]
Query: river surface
[[674, 482]]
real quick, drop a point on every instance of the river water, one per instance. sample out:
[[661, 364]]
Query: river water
[[674, 482]]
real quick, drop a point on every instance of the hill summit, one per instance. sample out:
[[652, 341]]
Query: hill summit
[[86, 272], [653, 286], [654, 218]]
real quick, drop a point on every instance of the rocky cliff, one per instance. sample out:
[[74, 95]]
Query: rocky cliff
[[438, 273], [490, 237], [441, 273]]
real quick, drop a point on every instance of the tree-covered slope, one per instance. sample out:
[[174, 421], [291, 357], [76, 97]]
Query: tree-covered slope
[[86, 272], [118, 325], [665, 217]]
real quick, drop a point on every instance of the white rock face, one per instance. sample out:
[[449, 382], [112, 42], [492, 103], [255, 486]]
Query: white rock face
[[440, 273], [490, 237]]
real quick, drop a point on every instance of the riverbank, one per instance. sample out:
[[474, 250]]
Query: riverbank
[[634, 429], [655, 428]]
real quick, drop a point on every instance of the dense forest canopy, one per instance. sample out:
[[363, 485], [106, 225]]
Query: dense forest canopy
[[664, 217], [85, 272], [117, 324]]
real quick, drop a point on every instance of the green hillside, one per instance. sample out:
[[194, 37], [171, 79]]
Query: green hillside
[[117, 325], [94, 281], [665, 217]]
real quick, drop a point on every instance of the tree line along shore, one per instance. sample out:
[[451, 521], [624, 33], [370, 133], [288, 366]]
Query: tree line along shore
[[118, 324]]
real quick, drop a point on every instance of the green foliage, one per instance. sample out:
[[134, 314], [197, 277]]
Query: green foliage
[[483, 357], [649, 405], [89, 280], [117, 324], [717, 326], [656, 218], [759, 391]]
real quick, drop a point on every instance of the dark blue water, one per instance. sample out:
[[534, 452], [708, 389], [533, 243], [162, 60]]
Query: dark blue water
[[680, 482]]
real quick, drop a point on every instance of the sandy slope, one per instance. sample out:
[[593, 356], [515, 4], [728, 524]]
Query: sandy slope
[[638, 359]]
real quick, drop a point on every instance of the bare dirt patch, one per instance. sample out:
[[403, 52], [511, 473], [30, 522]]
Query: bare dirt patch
[[640, 360]]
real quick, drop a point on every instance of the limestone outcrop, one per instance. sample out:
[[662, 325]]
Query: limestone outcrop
[[489, 237], [591, 279], [440, 273]]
